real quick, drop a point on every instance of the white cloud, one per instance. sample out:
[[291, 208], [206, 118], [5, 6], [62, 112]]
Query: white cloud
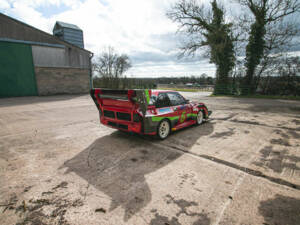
[[37, 3], [136, 27], [28, 15], [171, 68], [4, 4]]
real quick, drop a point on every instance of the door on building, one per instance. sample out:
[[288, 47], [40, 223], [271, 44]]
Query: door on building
[[17, 76]]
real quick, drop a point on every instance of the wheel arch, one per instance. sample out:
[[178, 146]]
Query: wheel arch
[[204, 110], [169, 121]]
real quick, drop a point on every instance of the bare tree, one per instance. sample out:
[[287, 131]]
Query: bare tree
[[269, 32], [206, 27], [282, 77], [111, 67]]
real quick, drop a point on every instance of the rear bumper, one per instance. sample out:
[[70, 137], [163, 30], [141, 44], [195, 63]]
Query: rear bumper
[[122, 125], [133, 127]]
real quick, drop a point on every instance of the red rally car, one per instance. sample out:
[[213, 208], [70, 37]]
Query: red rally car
[[151, 112]]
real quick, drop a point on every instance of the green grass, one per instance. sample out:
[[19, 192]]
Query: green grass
[[288, 97], [183, 89]]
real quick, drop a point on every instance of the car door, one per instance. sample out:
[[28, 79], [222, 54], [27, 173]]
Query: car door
[[180, 106]]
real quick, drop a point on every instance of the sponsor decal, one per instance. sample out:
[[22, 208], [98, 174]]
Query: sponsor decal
[[165, 110], [191, 115], [183, 117], [147, 95], [159, 118], [182, 107]]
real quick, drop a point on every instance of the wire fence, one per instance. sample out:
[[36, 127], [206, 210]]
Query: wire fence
[[232, 89]]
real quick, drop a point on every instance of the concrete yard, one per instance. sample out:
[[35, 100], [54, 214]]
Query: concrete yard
[[58, 165]]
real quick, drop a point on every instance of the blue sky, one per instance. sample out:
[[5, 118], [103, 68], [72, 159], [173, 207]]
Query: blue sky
[[138, 28], [50, 10]]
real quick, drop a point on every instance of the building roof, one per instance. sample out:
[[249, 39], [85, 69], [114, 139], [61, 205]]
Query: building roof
[[31, 42], [59, 41], [67, 25]]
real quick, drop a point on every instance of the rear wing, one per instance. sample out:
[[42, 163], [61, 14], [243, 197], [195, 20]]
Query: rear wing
[[133, 96]]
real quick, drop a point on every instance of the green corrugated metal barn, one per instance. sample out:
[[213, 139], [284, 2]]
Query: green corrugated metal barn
[[33, 62], [17, 71]]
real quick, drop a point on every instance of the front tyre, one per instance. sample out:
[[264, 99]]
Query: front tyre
[[200, 117], [163, 129]]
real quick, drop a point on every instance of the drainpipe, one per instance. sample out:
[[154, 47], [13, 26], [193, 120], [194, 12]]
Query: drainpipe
[[91, 75]]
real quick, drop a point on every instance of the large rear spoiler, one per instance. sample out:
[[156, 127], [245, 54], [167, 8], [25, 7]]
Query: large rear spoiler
[[140, 96]]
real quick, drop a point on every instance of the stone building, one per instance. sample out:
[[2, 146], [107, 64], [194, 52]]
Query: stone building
[[33, 62]]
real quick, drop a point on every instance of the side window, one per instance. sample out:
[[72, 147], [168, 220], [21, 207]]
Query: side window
[[162, 100], [176, 99], [152, 100]]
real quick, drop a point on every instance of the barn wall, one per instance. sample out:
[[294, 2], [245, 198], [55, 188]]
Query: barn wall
[[59, 67], [49, 57], [60, 70], [52, 80], [59, 57]]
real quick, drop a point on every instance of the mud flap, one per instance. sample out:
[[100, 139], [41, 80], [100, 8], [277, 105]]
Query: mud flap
[[142, 99], [208, 115]]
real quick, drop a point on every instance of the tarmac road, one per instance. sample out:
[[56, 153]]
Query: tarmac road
[[58, 165]]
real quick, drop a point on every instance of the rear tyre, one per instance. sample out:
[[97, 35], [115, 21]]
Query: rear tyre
[[163, 129], [200, 117]]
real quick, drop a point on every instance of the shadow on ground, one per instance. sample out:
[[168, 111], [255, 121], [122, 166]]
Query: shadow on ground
[[281, 210], [184, 139], [117, 164]]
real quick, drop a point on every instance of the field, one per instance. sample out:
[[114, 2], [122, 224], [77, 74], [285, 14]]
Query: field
[[58, 165]]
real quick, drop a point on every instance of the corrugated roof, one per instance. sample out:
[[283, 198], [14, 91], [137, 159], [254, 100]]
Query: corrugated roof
[[31, 42], [67, 25], [43, 32]]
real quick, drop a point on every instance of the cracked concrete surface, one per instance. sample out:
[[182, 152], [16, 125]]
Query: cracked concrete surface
[[58, 165]]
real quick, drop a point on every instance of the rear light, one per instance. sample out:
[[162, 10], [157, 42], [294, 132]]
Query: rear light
[[136, 118]]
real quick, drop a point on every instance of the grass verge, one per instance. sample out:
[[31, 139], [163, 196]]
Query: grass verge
[[185, 89], [261, 96]]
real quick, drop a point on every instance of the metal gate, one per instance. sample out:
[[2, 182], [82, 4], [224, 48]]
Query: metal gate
[[17, 76]]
